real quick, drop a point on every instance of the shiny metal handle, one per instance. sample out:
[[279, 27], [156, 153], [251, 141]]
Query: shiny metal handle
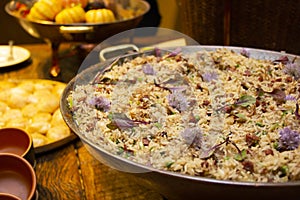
[[76, 29], [119, 49]]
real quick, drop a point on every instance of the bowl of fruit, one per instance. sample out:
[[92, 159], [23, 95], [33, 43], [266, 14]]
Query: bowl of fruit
[[88, 21]]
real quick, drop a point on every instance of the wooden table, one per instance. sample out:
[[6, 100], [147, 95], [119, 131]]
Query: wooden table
[[70, 172]]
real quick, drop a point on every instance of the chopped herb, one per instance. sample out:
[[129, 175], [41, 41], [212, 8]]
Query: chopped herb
[[158, 125], [274, 126], [245, 100], [283, 170], [241, 117], [259, 124], [241, 155], [169, 164], [70, 102]]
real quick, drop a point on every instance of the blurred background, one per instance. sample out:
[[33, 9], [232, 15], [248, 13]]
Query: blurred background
[[266, 24]]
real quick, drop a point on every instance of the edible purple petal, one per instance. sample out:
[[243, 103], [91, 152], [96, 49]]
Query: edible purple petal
[[101, 103], [174, 52], [148, 69], [245, 53], [120, 121], [288, 140], [157, 52], [192, 136], [178, 101], [177, 80], [290, 98], [209, 76], [292, 69]]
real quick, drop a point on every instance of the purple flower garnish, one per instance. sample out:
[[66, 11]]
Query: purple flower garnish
[[288, 140], [292, 69], [209, 76], [178, 100], [290, 98], [101, 103], [148, 69], [245, 53]]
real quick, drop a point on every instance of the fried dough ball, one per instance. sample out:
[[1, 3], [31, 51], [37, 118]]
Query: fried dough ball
[[34, 107], [47, 102], [59, 128], [58, 132], [39, 139], [12, 114], [28, 86], [43, 86], [20, 123], [3, 107], [40, 123], [42, 116], [17, 97], [57, 118], [3, 95], [29, 110]]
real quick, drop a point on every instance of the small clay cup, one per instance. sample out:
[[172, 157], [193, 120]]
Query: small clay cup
[[17, 141], [17, 177], [6, 196]]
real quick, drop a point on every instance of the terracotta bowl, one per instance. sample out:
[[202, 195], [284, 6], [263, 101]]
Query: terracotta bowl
[[17, 177], [17, 141]]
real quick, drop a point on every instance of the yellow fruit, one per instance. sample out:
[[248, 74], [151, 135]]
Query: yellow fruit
[[74, 14], [45, 10], [99, 16]]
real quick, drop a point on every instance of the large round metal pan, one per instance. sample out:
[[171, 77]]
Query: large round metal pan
[[174, 185], [79, 32]]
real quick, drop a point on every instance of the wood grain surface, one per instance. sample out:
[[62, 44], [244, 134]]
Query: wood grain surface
[[70, 172]]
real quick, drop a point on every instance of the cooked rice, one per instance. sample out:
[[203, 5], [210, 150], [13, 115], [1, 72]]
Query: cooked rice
[[185, 115]]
